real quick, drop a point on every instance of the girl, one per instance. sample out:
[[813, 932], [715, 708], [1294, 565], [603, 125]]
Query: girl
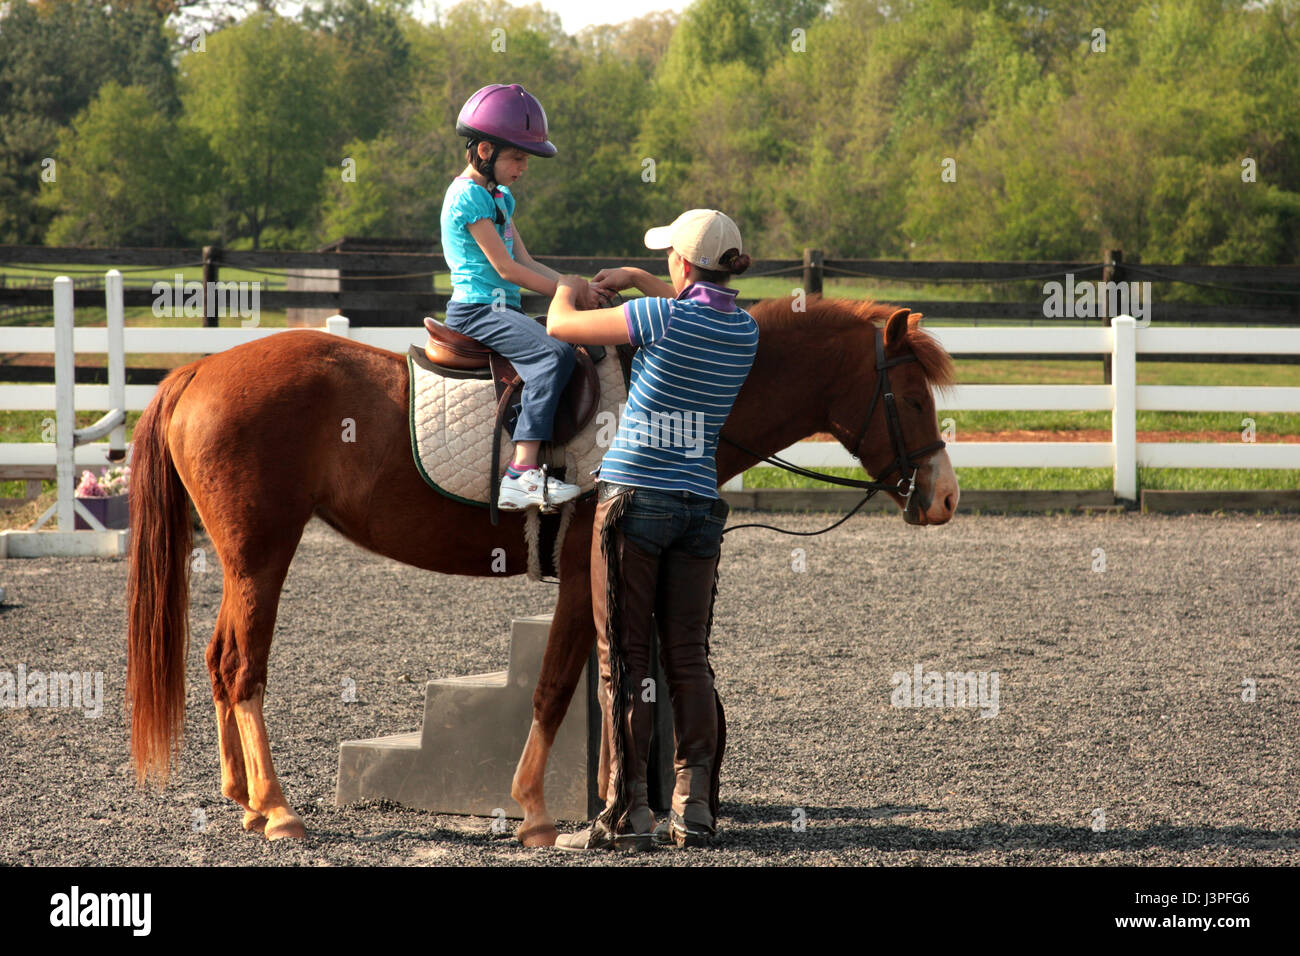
[[657, 538], [503, 125]]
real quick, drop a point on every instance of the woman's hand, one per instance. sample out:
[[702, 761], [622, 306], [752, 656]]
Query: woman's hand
[[628, 277], [568, 321], [614, 280]]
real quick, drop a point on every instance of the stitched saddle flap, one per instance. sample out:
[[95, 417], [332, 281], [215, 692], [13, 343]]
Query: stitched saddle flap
[[453, 412]]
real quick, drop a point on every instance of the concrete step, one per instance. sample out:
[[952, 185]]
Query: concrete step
[[464, 758]]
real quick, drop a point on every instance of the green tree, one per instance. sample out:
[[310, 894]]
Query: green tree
[[586, 199], [372, 59], [53, 58], [134, 176], [264, 98]]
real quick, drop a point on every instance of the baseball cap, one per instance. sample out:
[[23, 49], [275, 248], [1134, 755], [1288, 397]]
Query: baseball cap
[[700, 236]]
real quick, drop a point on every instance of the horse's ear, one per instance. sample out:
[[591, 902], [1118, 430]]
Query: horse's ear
[[896, 328], [915, 319]]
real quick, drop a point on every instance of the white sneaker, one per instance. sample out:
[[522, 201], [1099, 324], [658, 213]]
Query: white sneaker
[[526, 490]]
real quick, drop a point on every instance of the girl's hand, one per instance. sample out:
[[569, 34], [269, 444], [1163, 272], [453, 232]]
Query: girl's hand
[[576, 287], [586, 296], [597, 297], [575, 291]]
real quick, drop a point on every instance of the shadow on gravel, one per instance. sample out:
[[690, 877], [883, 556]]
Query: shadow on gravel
[[424, 828], [822, 833], [432, 834], [764, 813]]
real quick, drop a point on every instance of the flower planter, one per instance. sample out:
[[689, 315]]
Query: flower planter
[[112, 512]]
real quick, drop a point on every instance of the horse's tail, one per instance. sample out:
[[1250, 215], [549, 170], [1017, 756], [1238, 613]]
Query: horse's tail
[[157, 588]]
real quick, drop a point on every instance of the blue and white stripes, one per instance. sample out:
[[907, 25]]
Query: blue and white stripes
[[694, 354]]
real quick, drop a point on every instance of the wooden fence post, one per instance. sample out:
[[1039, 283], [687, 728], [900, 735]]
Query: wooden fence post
[[1111, 268], [211, 269], [812, 271]]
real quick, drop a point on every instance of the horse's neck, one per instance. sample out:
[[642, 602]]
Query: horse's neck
[[783, 401]]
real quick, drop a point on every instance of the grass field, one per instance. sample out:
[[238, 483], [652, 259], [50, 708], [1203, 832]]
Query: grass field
[[1067, 479], [26, 426]]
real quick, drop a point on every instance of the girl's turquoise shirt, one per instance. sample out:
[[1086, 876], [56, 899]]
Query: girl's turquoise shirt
[[472, 277]]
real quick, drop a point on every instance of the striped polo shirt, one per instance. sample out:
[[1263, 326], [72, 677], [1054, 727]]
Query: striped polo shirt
[[694, 353]]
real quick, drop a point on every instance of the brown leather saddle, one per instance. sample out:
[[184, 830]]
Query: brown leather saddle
[[460, 354]]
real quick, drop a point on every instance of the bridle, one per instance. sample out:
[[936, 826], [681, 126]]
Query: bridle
[[906, 463]]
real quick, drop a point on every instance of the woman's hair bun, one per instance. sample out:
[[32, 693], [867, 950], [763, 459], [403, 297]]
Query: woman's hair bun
[[734, 261]]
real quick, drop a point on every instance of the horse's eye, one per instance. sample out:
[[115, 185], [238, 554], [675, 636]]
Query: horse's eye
[[915, 404]]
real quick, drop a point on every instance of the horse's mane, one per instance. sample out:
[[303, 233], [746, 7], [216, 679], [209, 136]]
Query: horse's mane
[[835, 315]]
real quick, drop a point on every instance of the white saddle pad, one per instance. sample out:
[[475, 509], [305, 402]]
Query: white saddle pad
[[451, 432]]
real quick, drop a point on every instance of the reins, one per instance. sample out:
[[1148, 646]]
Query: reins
[[903, 459]]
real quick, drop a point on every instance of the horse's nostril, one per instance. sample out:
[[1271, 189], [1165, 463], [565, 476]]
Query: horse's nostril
[[948, 503]]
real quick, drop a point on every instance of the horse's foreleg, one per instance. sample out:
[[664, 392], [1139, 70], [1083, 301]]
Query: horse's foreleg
[[537, 828], [567, 649], [568, 645]]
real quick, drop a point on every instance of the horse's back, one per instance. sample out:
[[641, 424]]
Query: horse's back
[[294, 412]]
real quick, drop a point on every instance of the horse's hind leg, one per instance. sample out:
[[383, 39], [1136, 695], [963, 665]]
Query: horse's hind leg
[[264, 793], [237, 658], [234, 779]]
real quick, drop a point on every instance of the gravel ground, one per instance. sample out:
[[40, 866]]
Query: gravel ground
[[1120, 695]]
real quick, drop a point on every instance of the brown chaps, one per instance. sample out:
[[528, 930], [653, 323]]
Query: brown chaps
[[630, 590]]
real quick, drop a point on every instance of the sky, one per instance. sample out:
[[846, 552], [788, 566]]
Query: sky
[[577, 14]]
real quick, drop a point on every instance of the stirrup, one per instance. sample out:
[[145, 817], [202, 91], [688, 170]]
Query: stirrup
[[546, 507]]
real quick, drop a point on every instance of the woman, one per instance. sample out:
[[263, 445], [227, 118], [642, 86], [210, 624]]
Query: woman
[[656, 542]]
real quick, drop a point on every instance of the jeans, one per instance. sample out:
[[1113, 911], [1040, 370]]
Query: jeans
[[658, 521], [544, 363]]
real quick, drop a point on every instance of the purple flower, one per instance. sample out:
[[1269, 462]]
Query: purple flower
[[90, 486]]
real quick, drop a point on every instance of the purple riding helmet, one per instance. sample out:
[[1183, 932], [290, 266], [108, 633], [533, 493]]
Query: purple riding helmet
[[504, 116]]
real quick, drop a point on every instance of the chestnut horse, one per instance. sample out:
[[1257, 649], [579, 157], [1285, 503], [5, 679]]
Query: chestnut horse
[[254, 437]]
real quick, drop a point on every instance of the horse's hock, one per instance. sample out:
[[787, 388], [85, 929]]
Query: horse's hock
[[463, 760]]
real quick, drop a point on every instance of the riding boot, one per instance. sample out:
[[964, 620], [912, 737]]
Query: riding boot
[[684, 610], [623, 583]]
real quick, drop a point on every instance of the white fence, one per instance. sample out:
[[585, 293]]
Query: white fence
[[139, 341], [1124, 454]]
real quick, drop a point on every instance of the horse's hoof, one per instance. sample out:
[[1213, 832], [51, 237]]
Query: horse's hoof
[[254, 822], [288, 825], [538, 835]]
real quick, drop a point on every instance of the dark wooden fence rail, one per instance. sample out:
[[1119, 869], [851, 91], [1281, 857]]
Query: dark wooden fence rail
[[45, 305], [1277, 286]]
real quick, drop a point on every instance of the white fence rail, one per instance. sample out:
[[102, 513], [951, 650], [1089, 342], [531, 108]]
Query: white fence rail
[[1124, 398]]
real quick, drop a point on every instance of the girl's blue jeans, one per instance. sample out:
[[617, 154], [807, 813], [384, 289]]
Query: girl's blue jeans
[[543, 362]]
